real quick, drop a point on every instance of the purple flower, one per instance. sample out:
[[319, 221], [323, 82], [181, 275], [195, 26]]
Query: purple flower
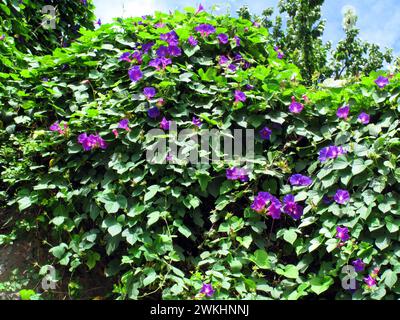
[[55, 126], [137, 56], [249, 87], [162, 51], [232, 67], [343, 112], [370, 281], [174, 51], [342, 196], [382, 82], [153, 112], [165, 124], [292, 208], [169, 157], [199, 9], [207, 290], [358, 265], [237, 57], [342, 233], [295, 107], [192, 41], [331, 152], [237, 174], [171, 38], [256, 24], [300, 180], [135, 74], [261, 201], [364, 118], [237, 40], [258, 204], [265, 133], [279, 52], [124, 124], [205, 29], [196, 122], [149, 92], [91, 142], [159, 25], [125, 57], [147, 46], [223, 38], [160, 63], [240, 96], [223, 60], [98, 22], [246, 65]]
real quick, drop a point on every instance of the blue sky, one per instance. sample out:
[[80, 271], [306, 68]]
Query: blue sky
[[379, 20]]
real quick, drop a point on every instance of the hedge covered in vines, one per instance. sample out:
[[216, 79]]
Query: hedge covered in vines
[[322, 193]]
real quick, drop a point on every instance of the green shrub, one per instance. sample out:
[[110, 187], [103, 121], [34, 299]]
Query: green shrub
[[164, 229]]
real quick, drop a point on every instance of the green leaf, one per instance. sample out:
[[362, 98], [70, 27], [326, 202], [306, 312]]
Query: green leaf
[[290, 236], [261, 259], [390, 278], [152, 191], [321, 284], [153, 218], [289, 271]]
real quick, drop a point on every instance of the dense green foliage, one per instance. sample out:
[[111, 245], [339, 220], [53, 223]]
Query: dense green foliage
[[162, 230]]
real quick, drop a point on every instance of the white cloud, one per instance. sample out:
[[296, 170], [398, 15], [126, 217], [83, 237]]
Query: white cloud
[[106, 10]]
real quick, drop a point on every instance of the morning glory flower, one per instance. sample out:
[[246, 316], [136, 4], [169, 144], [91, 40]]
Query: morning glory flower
[[205, 29], [55, 126], [237, 57], [300, 180], [115, 132], [125, 57], [237, 40], [171, 38], [295, 107], [343, 112], [364, 118], [240, 96], [159, 25], [331, 152], [246, 65], [192, 41], [291, 207], [91, 142], [342, 233], [149, 92], [223, 60], [169, 157], [342, 196], [160, 63], [147, 46], [275, 209], [207, 290], [382, 82], [265, 133], [153, 112], [223, 38], [2, 37], [370, 281], [124, 124], [160, 102], [279, 52], [174, 51], [249, 87], [237, 174], [98, 22], [256, 24], [135, 74], [358, 265], [137, 56], [259, 203], [232, 67], [196, 122], [162, 51], [199, 9], [165, 124]]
